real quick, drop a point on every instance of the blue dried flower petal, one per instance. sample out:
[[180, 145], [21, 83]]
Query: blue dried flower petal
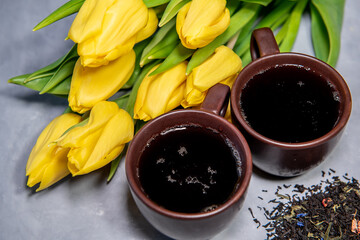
[[300, 224], [301, 215]]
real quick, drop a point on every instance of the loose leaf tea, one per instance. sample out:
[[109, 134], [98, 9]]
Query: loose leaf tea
[[328, 210]]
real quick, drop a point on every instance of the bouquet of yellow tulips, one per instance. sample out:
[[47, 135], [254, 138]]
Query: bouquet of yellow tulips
[[157, 55]]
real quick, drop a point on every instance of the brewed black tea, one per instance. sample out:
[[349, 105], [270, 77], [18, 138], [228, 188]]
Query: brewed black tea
[[189, 169], [290, 103]]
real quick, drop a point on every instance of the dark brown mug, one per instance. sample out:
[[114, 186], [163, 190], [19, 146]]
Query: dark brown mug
[[195, 225], [288, 134]]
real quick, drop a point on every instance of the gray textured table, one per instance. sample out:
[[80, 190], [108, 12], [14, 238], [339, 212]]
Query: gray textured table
[[87, 207]]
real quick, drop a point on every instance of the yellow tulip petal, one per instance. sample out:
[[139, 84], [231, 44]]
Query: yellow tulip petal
[[107, 29], [193, 97], [200, 22], [176, 97], [99, 115], [36, 176], [110, 143], [150, 27], [88, 21], [229, 81], [228, 113], [141, 95], [93, 61], [92, 85], [44, 148], [156, 92], [46, 153], [180, 20], [56, 169], [221, 67], [207, 74], [207, 33], [81, 151], [100, 141]]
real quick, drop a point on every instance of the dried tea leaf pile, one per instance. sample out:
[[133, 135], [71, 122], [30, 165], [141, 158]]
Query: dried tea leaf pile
[[329, 210]]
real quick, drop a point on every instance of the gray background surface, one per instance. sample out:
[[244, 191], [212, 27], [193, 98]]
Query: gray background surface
[[87, 207]]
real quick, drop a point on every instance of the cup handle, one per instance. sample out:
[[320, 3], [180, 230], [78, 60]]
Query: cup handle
[[263, 43], [217, 99]]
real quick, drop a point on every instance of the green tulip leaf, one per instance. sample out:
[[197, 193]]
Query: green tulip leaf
[[73, 6], [276, 16], [154, 3], [178, 55], [52, 68], [63, 72], [279, 11], [328, 13], [139, 124], [233, 6], [170, 40], [36, 84], [243, 39], [122, 101], [280, 21], [246, 58], [261, 2], [63, 88], [115, 163], [68, 110], [158, 37], [65, 10], [291, 26], [321, 42], [164, 52], [40, 75], [19, 80], [171, 10]]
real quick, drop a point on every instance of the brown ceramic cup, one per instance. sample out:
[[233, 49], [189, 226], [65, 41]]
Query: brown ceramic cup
[[200, 225], [286, 158]]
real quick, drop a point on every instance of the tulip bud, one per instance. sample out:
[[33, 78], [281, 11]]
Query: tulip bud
[[150, 27], [200, 21], [47, 162], [160, 93], [92, 85], [100, 140], [107, 29], [221, 67]]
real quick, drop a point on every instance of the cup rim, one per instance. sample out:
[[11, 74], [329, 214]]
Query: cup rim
[[340, 124], [136, 189]]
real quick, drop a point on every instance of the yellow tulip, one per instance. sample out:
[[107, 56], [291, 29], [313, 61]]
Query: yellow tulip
[[200, 21], [221, 67], [92, 85], [100, 140], [228, 113], [160, 93], [150, 27], [107, 29], [47, 162]]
